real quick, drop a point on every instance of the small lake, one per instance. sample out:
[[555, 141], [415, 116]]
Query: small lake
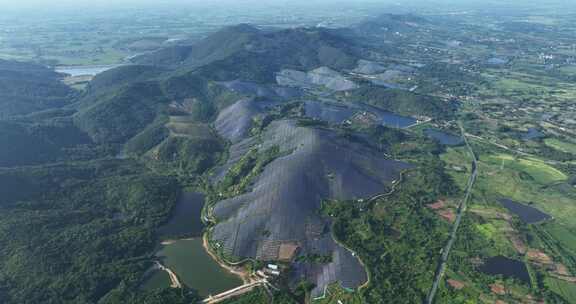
[[443, 137], [156, 279], [391, 119], [186, 217], [508, 268], [532, 133], [527, 214], [196, 269], [88, 70]]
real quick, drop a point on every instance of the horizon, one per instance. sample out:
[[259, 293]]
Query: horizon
[[135, 4]]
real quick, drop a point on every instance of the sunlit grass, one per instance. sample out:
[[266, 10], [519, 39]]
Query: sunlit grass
[[561, 145], [537, 169], [501, 175], [566, 289]]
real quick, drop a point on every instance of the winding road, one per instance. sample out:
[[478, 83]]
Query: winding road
[[440, 270]]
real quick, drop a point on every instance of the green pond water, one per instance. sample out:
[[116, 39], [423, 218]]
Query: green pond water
[[158, 279], [196, 269], [187, 258], [185, 220]]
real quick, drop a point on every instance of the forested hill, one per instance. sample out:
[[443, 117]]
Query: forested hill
[[27, 88], [246, 52]]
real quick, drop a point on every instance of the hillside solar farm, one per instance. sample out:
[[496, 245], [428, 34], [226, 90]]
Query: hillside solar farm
[[322, 152]]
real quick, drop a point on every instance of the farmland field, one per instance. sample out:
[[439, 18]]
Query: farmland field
[[537, 169], [501, 175], [566, 289], [563, 146]]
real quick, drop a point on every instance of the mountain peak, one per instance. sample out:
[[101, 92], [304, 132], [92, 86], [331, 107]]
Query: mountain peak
[[241, 28]]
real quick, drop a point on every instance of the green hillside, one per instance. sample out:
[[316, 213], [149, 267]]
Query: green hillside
[[122, 114], [71, 233], [26, 88], [403, 102]]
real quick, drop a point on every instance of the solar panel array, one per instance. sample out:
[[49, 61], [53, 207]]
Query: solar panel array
[[259, 90], [285, 199]]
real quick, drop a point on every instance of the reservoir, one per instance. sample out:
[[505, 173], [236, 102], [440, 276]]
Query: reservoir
[[156, 279], [508, 268], [443, 137], [527, 214], [196, 269], [532, 133], [185, 220], [187, 258], [391, 119], [87, 70]]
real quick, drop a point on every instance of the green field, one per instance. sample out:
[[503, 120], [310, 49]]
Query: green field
[[561, 145], [537, 169], [510, 181], [566, 289], [523, 180], [566, 237], [458, 158]]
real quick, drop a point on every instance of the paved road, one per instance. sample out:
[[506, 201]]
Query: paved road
[[454, 233], [234, 292]]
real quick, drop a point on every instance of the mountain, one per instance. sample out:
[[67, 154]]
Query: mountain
[[249, 53], [120, 115], [27, 87], [217, 46], [231, 116], [122, 75], [280, 211]]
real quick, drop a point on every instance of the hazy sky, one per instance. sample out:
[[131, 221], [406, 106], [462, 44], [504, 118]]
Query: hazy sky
[[6, 5], [114, 3], [447, 4]]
